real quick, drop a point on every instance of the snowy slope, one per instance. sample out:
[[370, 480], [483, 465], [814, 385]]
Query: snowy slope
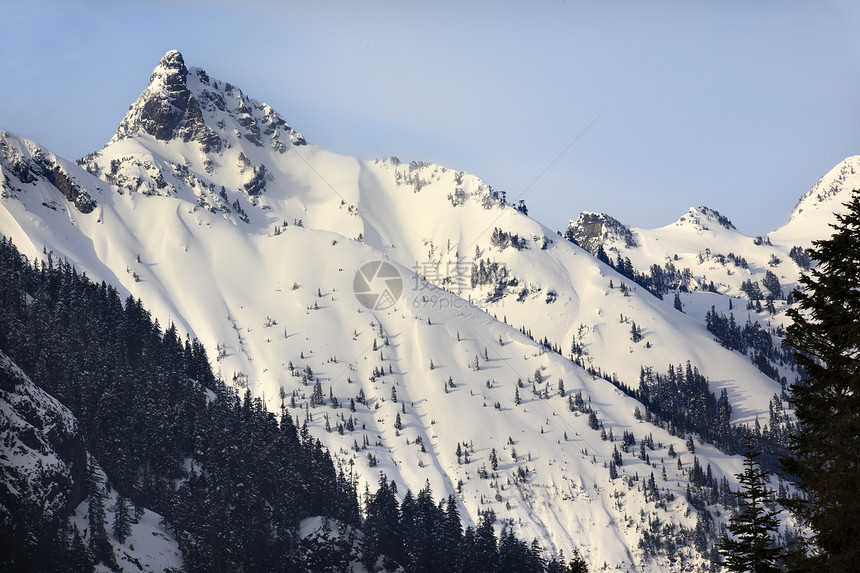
[[811, 217], [222, 218]]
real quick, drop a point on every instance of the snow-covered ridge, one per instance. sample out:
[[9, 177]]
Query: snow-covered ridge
[[843, 177], [814, 213], [702, 255], [707, 244], [701, 217]]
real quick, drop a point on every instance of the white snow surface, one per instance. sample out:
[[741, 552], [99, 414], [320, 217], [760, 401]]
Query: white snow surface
[[262, 291]]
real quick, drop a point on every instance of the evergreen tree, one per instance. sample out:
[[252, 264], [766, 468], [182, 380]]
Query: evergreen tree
[[452, 537], [99, 545], [486, 549], [771, 283], [409, 528], [381, 535], [577, 564], [469, 558], [824, 449], [79, 558], [752, 549], [121, 519]]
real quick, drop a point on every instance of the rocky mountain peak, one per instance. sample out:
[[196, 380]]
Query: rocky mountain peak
[[170, 72], [167, 109]]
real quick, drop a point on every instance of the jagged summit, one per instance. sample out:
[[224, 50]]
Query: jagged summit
[[171, 69], [167, 109], [186, 106]]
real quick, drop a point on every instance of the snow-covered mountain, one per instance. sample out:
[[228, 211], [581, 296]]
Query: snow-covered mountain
[[209, 207]]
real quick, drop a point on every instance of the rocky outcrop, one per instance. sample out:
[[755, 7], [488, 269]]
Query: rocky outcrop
[[28, 163], [592, 230], [42, 456]]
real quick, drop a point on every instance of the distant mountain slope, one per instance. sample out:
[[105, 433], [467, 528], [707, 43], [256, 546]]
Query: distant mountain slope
[[707, 243], [702, 253]]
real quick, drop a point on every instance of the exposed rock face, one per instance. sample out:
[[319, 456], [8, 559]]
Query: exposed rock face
[[73, 192], [167, 109], [27, 163], [592, 230], [187, 105], [43, 459]]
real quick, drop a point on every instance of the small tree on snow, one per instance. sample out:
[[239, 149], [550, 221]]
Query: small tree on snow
[[751, 548]]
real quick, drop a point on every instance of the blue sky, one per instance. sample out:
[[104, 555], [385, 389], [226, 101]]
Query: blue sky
[[660, 106]]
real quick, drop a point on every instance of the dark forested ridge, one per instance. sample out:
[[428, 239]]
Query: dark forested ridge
[[232, 481]]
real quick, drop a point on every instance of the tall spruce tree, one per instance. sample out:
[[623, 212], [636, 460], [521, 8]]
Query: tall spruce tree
[[824, 451], [121, 520], [100, 546], [381, 536], [752, 548]]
